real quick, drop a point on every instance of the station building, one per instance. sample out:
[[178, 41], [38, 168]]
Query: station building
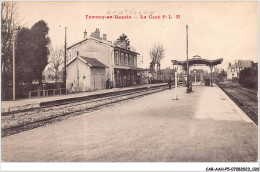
[[94, 63]]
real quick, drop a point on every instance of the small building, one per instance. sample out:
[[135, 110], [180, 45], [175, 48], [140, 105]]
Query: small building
[[119, 62], [234, 69], [86, 74]]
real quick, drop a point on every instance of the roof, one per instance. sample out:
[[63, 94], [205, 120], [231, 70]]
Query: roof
[[123, 49], [167, 70], [91, 38], [242, 64], [100, 41], [194, 61], [127, 67], [138, 68], [49, 69], [92, 62]]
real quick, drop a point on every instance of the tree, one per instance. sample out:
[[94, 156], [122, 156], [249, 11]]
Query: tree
[[32, 52], [123, 38], [9, 25], [152, 68], [56, 59], [40, 42], [223, 73], [24, 57], [157, 54]]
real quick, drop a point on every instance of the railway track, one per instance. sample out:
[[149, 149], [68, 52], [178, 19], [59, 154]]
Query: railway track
[[247, 93], [15, 122], [246, 101]]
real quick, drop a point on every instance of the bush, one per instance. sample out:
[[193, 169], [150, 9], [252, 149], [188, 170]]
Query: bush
[[249, 77]]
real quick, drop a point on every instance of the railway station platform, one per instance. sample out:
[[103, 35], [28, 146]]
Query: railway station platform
[[22, 104], [202, 126]]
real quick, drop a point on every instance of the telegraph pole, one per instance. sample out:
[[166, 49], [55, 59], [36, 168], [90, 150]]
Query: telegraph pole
[[188, 84], [13, 69], [78, 71], [65, 55]]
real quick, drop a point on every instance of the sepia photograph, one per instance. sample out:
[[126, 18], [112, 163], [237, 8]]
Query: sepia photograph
[[113, 82]]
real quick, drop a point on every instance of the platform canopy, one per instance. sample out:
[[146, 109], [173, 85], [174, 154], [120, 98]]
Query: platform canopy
[[198, 61]]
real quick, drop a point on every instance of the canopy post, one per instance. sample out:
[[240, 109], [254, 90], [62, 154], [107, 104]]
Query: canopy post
[[211, 82]]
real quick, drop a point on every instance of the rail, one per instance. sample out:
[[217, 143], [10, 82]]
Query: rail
[[56, 111], [238, 98], [45, 93]]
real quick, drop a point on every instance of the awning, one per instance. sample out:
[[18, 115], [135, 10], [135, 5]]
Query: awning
[[199, 61], [128, 68]]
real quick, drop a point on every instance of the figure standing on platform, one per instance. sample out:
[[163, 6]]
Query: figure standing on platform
[[170, 83]]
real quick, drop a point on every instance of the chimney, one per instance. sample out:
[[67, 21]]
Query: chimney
[[118, 42], [105, 37], [97, 33], [85, 34], [124, 45]]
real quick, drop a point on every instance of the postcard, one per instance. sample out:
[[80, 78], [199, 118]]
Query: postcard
[[167, 83]]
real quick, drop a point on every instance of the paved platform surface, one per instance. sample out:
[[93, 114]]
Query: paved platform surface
[[203, 126], [21, 104]]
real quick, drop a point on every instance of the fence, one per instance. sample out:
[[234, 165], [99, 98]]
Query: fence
[[48, 92]]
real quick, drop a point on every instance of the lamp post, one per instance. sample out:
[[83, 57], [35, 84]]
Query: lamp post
[[175, 83], [14, 62], [13, 69], [188, 84], [118, 82]]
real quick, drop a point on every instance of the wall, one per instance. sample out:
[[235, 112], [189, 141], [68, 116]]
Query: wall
[[232, 73], [229, 73], [121, 60], [84, 69]]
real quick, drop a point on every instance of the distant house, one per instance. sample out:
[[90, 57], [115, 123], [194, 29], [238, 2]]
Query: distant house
[[166, 73], [48, 75], [233, 70]]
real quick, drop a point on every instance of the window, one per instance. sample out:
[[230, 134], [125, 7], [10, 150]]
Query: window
[[126, 59], [135, 61], [130, 60], [116, 58], [122, 59]]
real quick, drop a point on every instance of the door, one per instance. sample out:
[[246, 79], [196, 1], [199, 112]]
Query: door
[[98, 82], [93, 79], [97, 79]]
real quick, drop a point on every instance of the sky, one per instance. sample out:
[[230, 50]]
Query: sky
[[227, 30]]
